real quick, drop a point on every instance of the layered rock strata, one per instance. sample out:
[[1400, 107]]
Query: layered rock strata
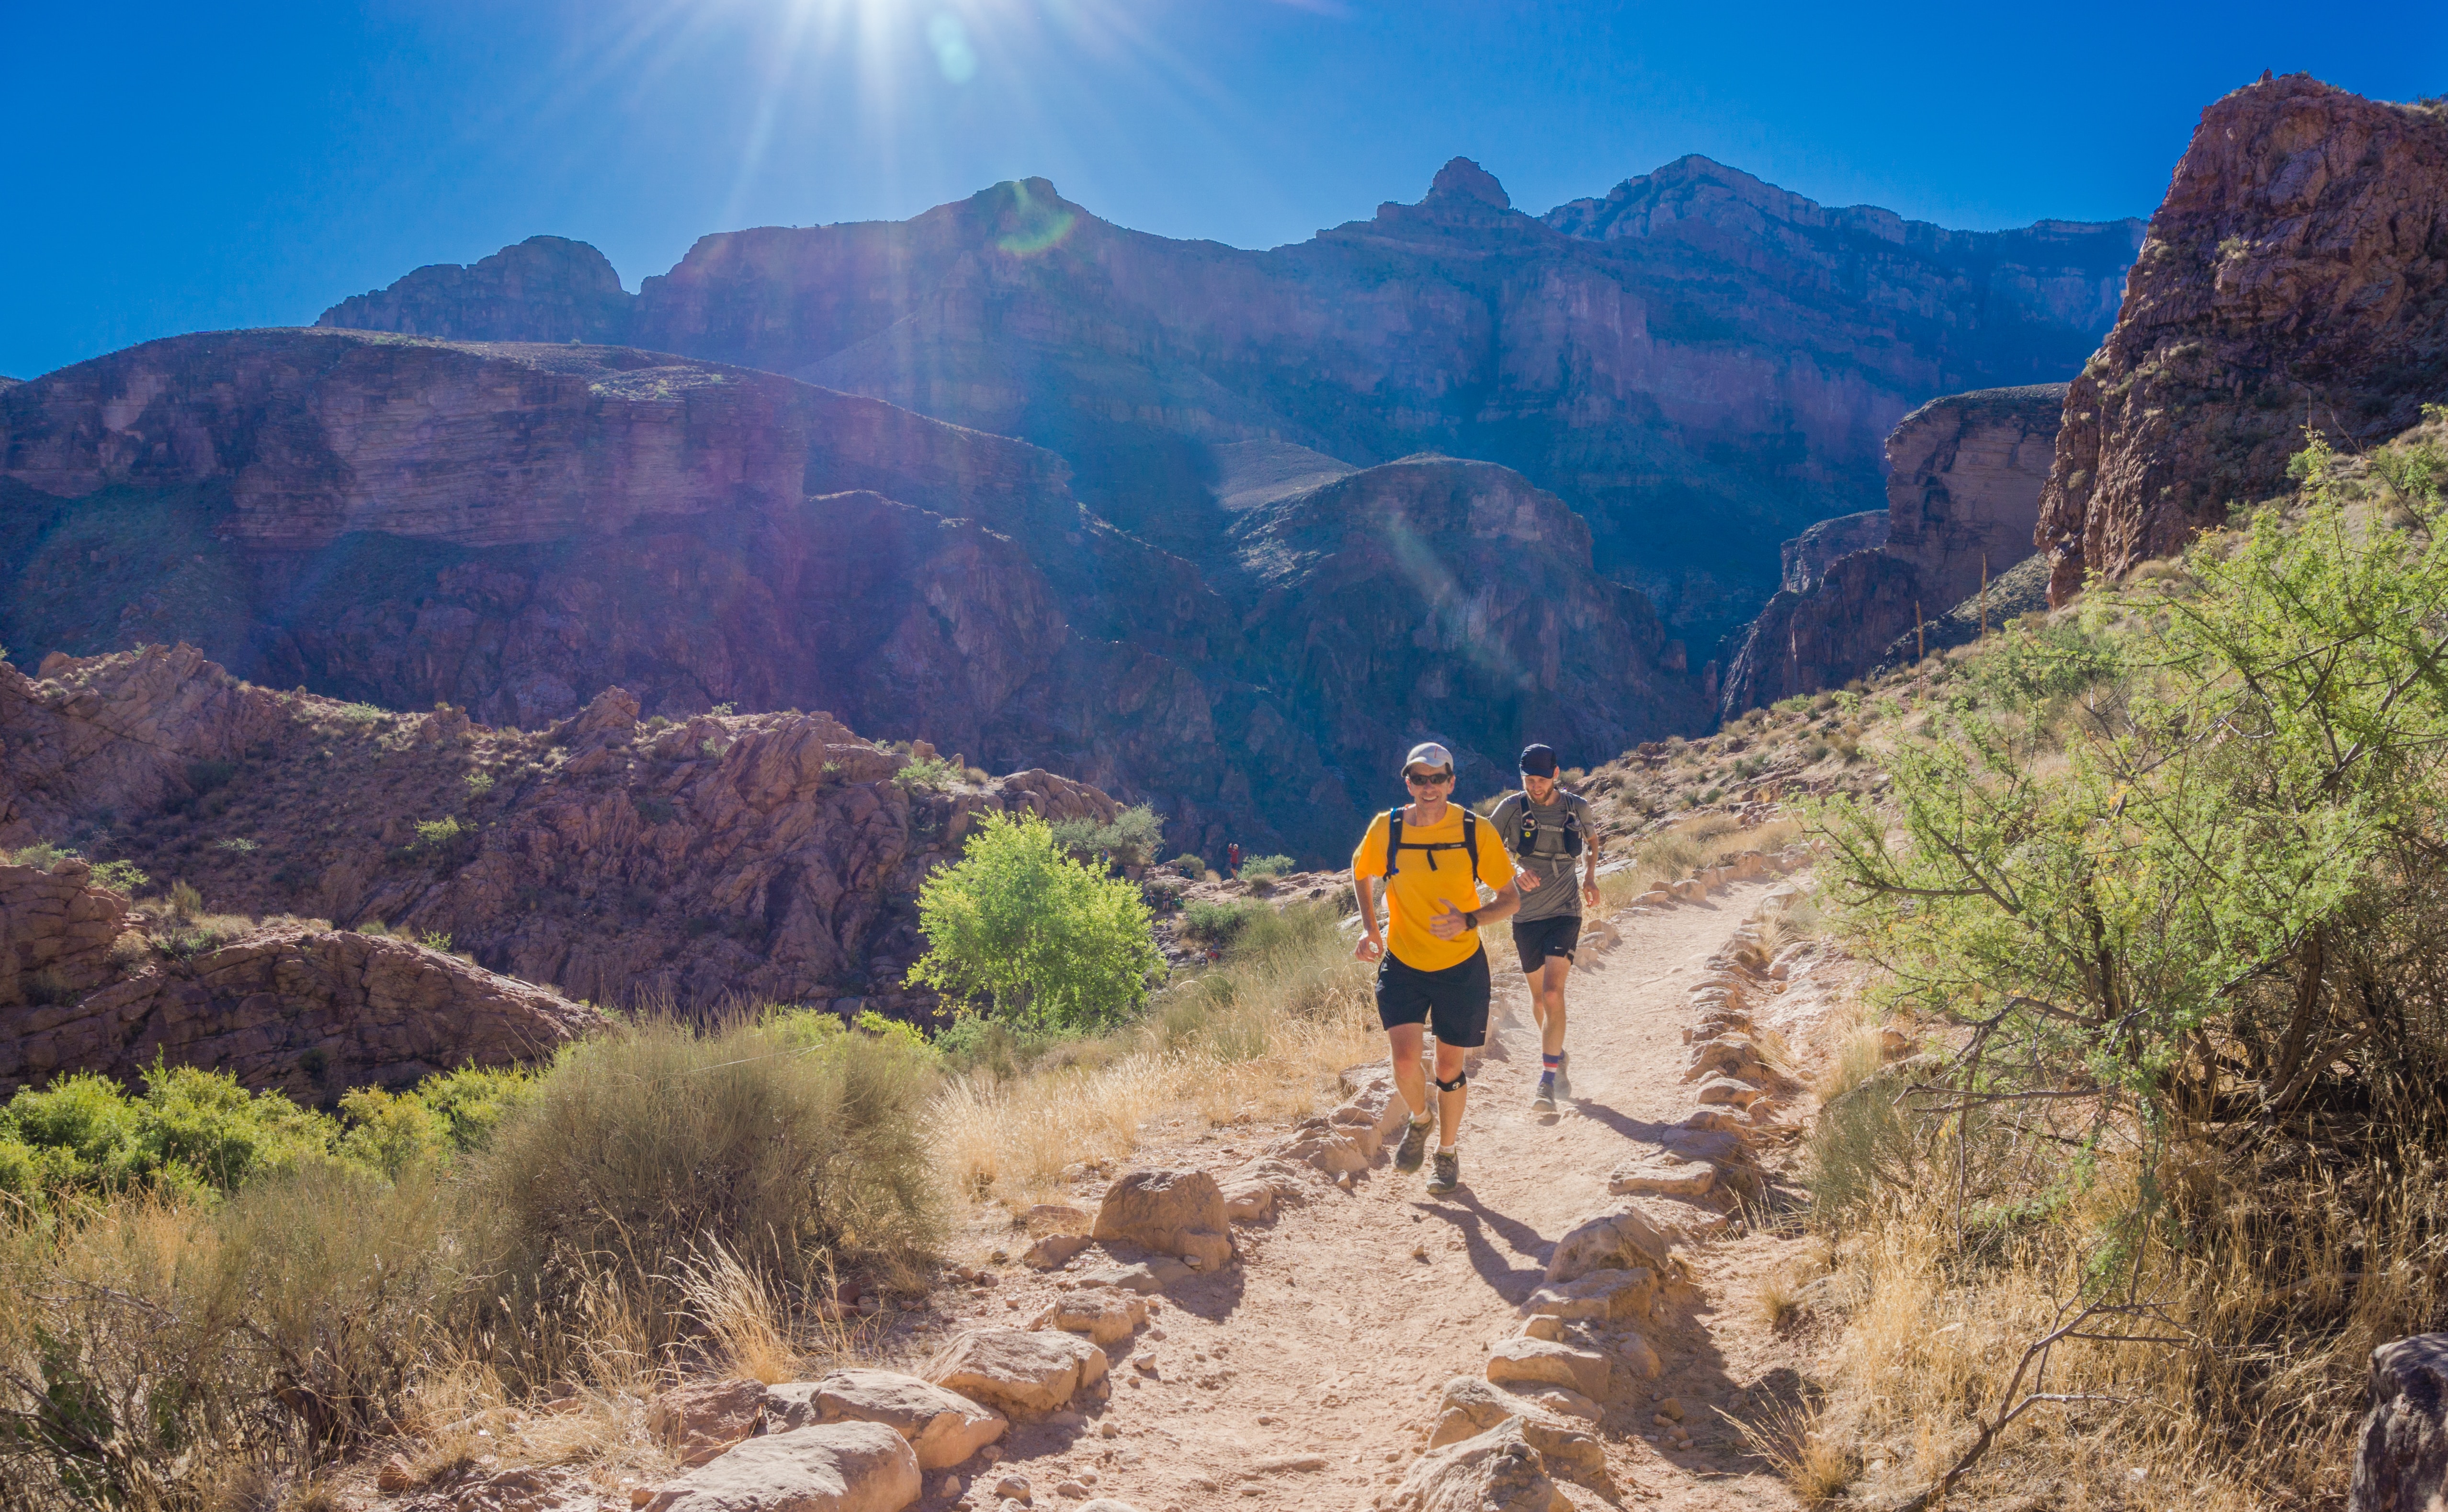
[[1963, 489], [721, 858], [510, 529], [2296, 275], [1629, 354]]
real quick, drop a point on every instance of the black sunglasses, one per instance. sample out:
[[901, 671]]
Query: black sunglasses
[[1431, 779]]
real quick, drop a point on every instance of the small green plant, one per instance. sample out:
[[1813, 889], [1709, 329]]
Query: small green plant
[[480, 784], [1130, 838], [185, 901], [120, 876], [42, 856], [1217, 923], [722, 711], [238, 844], [928, 771], [358, 714], [435, 940], [1266, 865], [1190, 865]]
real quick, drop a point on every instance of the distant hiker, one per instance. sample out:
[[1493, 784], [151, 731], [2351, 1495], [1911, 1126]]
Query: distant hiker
[[1233, 859], [1431, 967], [1548, 832]]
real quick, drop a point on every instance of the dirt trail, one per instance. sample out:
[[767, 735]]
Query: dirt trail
[[1307, 1375]]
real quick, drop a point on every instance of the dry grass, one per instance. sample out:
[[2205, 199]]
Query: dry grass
[[1676, 853], [1258, 1039], [1817, 1466]]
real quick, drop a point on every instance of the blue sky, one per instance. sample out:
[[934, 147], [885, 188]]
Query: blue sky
[[181, 167]]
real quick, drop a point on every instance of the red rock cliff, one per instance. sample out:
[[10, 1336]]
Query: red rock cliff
[[2296, 273]]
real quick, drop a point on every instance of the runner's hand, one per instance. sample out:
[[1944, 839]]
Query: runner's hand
[[1447, 924], [1369, 948], [1590, 894], [1530, 882]]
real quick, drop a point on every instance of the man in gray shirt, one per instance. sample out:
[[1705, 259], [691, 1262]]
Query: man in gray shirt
[[1556, 854]]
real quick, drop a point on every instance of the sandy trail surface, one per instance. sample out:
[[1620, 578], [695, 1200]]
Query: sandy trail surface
[[1306, 1377]]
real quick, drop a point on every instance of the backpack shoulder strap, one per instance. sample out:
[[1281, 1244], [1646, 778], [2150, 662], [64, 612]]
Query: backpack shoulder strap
[[1393, 838], [1470, 840]]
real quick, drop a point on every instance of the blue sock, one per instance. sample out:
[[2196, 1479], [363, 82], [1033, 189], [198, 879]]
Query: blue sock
[[1549, 1061]]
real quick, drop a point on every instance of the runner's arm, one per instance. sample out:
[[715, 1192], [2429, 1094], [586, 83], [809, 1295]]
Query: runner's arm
[[1373, 944]]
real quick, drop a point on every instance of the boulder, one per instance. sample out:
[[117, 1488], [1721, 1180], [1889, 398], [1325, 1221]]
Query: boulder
[[1054, 1250], [1619, 1240], [1550, 1362], [1470, 1407], [1608, 1295], [825, 1467], [2402, 1460], [701, 1419], [1055, 1217], [1726, 1092], [1176, 1212], [1662, 1172], [1495, 1471], [1026, 1373], [1146, 1278], [944, 1427], [1104, 1317]]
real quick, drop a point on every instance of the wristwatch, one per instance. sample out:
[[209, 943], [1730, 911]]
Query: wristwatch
[[1470, 920]]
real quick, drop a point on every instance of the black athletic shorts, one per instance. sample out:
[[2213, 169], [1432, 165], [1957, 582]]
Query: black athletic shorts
[[1541, 938], [1452, 1003]]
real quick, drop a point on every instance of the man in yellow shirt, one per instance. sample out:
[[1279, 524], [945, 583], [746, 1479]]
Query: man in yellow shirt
[[1431, 969]]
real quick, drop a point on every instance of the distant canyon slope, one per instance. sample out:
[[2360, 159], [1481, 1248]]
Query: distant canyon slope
[[514, 528], [1698, 363]]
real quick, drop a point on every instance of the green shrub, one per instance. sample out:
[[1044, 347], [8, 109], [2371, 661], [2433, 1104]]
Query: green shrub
[[1190, 865], [480, 785], [238, 844], [42, 856], [120, 876], [1131, 838], [437, 835], [932, 773], [1266, 865], [1021, 930], [189, 1131], [1217, 923]]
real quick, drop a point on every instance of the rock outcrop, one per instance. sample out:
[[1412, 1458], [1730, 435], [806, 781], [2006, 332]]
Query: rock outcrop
[[772, 857], [2402, 1463], [2296, 274], [544, 289], [311, 1011], [1808, 556], [1963, 489], [1627, 353]]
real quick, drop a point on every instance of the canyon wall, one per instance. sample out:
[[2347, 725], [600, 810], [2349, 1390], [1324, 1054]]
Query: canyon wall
[[512, 528], [2295, 275], [1964, 492], [1698, 363]]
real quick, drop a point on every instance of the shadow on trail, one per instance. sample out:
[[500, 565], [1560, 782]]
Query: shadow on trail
[[1646, 1131], [1479, 1228]]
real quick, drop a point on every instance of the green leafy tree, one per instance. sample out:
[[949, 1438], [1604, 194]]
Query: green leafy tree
[[1021, 930]]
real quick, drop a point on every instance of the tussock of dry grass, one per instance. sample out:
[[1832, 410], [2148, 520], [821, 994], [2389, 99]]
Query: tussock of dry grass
[[1674, 853]]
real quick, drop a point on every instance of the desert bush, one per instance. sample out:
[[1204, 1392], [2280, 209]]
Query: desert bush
[[639, 1149], [930, 773], [1189, 865], [189, 1132], [1131, 838], [1217, 923], [1017, 929], [1261, 867], [42, 856]]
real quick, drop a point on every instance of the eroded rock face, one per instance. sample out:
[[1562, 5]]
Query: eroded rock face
[[2297, 272], [2402, 1464], [1625, 353], [544, 289], [309, 1011], [1963, 489], [772, 857]]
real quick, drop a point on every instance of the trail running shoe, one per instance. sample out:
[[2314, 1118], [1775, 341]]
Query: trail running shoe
[[1563, 1074], [1544, 1099], [1415, 1147], [1449, 1173]]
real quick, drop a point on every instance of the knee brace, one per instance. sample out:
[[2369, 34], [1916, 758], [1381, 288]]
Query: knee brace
[[1454, 1085]]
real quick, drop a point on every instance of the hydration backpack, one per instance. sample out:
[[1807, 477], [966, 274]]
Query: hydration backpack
[[1469, 842], [1570, 829]]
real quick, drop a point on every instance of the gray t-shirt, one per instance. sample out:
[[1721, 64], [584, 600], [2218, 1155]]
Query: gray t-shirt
[[1558, 893]]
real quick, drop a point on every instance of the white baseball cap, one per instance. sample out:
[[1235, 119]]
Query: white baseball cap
[[1426, 754]]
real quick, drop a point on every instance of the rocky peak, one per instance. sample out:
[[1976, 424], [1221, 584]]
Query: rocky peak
[[1461, 179], [2297, 272], [544, 289]]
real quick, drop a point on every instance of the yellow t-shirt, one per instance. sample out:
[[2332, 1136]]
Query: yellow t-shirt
[[1418, 886]]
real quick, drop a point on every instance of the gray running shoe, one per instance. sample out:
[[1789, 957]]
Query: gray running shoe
[[1415, 1146], [1544, 1099], [1563, 1074], [1448, 1174]]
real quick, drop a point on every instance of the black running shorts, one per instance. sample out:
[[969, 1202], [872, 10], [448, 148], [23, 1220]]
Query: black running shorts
[[1452, 1003], [1541, 938]]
